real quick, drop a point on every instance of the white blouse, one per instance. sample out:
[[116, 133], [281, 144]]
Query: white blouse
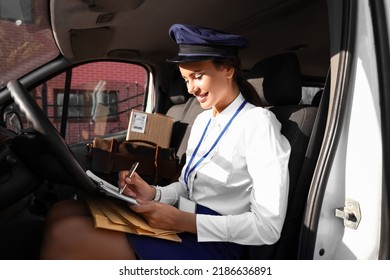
[[244, 178]]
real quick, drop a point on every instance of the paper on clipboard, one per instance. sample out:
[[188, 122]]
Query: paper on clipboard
[[109, 189]]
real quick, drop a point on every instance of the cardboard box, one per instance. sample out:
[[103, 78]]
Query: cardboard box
[[156, 128]]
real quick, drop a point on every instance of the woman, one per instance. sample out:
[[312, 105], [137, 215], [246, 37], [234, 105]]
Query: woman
[[233, 189]]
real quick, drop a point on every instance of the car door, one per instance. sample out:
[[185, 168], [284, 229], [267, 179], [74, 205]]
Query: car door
[[347, 209]]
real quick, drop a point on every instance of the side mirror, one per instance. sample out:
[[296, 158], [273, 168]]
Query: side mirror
[[13, 121]]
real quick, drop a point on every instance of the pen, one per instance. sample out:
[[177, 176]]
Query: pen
[[131, 172]]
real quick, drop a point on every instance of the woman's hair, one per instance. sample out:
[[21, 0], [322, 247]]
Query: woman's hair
[[247, 90]]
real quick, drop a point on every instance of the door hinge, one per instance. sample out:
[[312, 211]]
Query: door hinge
[[350, 213]]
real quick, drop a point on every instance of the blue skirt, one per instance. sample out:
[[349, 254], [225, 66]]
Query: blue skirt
[[149, 248]]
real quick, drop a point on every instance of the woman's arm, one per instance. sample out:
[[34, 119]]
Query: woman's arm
[[164, 216]]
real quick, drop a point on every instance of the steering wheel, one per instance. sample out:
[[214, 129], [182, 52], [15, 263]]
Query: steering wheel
[[56, 143]]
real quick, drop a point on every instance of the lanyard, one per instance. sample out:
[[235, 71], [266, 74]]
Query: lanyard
[[190, 169]]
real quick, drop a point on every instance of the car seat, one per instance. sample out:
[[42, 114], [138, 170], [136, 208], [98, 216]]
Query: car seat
[[277, 80]]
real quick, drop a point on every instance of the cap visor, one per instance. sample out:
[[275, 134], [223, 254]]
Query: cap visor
[[182, 58]]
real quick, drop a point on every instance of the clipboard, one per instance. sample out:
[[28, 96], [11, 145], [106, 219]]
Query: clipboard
[[109, 189]]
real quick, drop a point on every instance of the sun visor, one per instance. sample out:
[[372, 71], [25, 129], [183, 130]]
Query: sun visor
[[124, 53], [112, 6], [90, 43]]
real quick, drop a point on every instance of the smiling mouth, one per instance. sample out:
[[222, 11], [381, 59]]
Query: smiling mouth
[[202, 97]]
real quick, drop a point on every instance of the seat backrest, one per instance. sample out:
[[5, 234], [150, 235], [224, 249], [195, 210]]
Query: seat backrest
[[178, 95], [184, 111], [278, 82]]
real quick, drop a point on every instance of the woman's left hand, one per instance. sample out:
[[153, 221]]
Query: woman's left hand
[[165, 216]]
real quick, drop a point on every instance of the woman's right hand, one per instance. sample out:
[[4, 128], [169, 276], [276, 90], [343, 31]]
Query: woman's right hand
[[136, 186]]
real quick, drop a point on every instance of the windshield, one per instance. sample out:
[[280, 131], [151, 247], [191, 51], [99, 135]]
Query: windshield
[[26, 39]]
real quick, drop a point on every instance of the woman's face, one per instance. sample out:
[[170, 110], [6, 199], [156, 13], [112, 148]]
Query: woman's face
[[213, 87]]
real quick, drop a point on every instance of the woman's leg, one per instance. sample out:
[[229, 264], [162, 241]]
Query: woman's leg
[[70, 234], [64, 209]]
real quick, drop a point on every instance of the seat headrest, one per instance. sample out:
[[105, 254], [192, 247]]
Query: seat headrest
[[277, 80], [178, 92]]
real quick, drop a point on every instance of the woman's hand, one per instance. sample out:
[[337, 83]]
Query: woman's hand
[[136, 187], [165, 216]]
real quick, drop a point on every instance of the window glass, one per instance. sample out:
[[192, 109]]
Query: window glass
[[309, 93], [26, 39], [101, 97]]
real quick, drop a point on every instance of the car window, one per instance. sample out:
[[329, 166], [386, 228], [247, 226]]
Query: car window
[[101, 96], [310, 94], [34, 44]]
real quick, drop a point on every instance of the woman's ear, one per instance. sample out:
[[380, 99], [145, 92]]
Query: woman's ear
[[229, 72]]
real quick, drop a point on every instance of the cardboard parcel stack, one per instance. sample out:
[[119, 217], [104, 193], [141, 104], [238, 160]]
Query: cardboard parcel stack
[[156, 128]]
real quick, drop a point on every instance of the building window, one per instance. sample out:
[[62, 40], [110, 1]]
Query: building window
[[14, 10], [88, 105], [76, 108], [104, 105]]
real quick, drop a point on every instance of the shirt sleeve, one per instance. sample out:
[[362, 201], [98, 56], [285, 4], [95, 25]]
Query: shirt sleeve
[[170, 194], [267, 153]]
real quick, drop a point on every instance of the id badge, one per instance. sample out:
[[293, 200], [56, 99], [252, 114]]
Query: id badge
[[187, 205]]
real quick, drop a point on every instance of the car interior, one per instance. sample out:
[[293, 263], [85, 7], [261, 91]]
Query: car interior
[[287, 62]]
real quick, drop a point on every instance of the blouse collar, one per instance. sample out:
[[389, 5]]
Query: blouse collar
[[223, 117]]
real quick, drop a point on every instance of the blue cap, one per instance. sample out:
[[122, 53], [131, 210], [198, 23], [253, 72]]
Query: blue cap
[[200, 43]]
